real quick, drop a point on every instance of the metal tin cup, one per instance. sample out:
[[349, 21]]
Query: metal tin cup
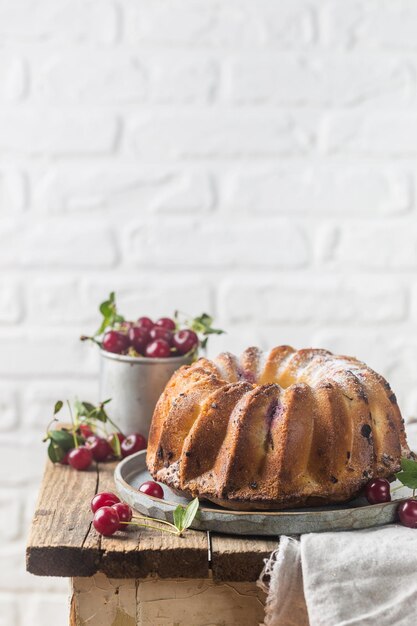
[[134, 386]]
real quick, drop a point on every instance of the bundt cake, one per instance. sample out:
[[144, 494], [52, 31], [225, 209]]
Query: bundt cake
[[275, 430]]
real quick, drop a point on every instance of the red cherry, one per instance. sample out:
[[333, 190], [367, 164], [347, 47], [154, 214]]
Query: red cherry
[[407, 512], [152, 488], [377, 491], [160, 333], [114, 341], [158, 349], [145, 322], [124, 512], [105, 498], [106, 521], [184, 341], [138, 337], [100, 448], [86, 431], [133, 443], [166, 322], [64, 460], [80, 458]]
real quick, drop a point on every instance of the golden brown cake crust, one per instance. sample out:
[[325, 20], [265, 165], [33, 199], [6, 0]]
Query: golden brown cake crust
[[275, 430]]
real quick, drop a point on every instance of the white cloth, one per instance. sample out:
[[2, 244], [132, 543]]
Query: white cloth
[[361, 577]]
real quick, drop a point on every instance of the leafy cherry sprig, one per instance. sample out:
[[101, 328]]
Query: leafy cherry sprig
[[202, 325], [62, 440], [111, 317], [183, 519]]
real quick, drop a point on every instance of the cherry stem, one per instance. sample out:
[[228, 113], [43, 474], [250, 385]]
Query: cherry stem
[[155, 519], [74, 436], [54, 419], [165, 530], [93, 339], [115, 425]]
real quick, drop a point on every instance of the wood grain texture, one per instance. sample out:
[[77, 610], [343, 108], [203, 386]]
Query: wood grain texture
[[239, 558], [63, 542], [62, 524]]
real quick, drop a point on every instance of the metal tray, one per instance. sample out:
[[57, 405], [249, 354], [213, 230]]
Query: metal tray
[[132, 472]]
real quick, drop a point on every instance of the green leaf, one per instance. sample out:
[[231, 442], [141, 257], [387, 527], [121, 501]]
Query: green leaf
[[84, 408], [110, 315], [408, 474], [179, 515], [55, 452], [64, 439], [408, 465], [203, 324], [190, 512], [408, 479], [98, 413], [58, 406], [184, 516]]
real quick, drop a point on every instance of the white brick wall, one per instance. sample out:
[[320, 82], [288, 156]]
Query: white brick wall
[[254, 159]]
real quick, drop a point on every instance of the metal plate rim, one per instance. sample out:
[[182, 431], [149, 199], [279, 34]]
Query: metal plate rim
[[250, 522]]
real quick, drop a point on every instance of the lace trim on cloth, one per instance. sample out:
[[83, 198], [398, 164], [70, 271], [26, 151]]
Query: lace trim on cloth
[[281, 579]]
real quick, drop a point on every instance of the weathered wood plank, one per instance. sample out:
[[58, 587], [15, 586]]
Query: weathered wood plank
[[63, 542], [239, 558], [139, 552], [61, 524]]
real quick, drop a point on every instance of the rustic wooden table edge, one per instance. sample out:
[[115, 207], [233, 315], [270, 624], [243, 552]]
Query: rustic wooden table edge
[[62, 541]]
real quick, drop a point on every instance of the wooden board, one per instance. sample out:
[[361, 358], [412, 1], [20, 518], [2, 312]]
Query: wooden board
[[239, 558], [62, 524], [63, 542]]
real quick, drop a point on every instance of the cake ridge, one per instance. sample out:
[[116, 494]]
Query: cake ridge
[[276, 429]]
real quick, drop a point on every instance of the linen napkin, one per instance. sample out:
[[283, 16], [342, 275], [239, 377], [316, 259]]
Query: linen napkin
[[360, 577]]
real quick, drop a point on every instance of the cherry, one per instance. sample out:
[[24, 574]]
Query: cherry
[[114, 341], [160, 333], [378, 490], [133, 443], [100, 448], [105, 498], [407, 512], [124, 512], [152, 488], [138, 337], [184, 341], [166, 322], [85, 430], [106, 521], [145, 322], [158, 349], [80, 458]]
